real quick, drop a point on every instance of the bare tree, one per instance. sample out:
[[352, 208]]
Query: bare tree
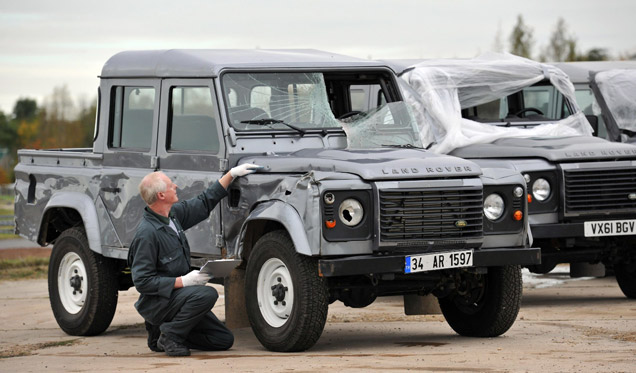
[[521, 39], [562, 45]]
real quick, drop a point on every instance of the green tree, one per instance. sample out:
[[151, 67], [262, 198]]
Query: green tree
[[521, 40], [25, 109], [595, 54]]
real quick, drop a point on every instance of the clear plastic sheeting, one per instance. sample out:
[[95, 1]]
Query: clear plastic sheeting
[[618, 88], [391, 124], [438, 90]]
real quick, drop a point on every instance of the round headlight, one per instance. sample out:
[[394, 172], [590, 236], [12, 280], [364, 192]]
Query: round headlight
[[350, 212], [526, 177], [541, 189], [494, 206], [517, 192]]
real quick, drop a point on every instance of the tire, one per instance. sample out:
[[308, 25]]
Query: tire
[[489, 310], [544, 268], [626, 277], [82, 285], [287, 302]]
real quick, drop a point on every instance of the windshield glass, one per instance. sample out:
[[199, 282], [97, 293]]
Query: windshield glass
[[390, 124], [299, 99], [304, 101]]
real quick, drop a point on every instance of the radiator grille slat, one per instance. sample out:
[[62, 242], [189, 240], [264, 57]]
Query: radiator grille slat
[[427, 214], [591, 191]]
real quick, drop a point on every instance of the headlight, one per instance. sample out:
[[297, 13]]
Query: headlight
[[494, 206], [541, 189], [350, 212]]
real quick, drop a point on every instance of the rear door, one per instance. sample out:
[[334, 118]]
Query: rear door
[[131, 109]]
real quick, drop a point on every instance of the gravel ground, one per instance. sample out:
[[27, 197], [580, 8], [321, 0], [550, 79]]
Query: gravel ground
[[564, 326]]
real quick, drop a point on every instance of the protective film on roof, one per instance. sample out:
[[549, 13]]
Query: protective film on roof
[[438, 90], [618, 88], [209, 62]]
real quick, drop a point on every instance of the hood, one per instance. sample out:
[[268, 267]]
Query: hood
[[369, 164], [577, 148]]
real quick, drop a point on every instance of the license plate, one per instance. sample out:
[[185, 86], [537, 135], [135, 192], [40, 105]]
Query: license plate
[[433, 262], [609, 228]]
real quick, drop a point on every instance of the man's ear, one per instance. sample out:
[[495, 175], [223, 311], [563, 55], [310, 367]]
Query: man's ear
[[161, 195]]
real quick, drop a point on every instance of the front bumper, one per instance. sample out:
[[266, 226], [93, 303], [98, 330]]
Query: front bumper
[[368, 264]]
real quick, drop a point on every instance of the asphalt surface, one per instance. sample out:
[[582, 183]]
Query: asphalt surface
[[565, 325]]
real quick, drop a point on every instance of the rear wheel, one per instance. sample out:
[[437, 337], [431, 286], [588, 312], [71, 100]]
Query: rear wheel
[[484, 305], [626, 278], [82, 285], [286, 300]]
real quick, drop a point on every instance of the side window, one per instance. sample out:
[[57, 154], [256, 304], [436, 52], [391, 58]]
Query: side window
[[192, 122], [131, 118], [540, 98], [366, 97]]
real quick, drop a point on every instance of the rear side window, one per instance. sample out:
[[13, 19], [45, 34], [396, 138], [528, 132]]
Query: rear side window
[[131, 117], [192, 124]]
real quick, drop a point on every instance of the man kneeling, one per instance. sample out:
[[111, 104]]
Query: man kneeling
[[174, 301]]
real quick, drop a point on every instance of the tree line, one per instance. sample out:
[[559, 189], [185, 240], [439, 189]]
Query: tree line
[[58, 123], [561, 47]]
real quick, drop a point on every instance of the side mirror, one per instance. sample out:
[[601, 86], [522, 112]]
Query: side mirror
[[593, 119]]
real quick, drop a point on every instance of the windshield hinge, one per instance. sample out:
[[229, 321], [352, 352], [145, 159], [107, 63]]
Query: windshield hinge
[[223, 164], [154, 162], [220, 242], [231, 134]]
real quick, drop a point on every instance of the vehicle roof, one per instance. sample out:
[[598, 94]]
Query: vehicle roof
[[579, 72], [190, 63]]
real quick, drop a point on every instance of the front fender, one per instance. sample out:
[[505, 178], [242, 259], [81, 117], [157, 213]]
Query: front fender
[[285, 215], [85, 206]]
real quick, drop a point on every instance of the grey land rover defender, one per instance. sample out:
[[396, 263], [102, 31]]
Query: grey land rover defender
[[523, 115], [320, 222]]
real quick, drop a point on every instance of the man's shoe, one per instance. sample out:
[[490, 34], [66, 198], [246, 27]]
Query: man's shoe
[[153, 336], [172, 347]]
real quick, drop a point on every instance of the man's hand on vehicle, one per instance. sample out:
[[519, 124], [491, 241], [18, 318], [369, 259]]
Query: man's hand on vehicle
[[195, 278], [244, 169]]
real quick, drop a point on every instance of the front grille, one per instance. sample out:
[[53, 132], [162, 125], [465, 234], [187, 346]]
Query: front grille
[[591, 191], [430, 215]]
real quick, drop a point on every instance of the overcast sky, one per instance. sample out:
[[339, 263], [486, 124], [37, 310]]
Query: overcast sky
[[44, 44]]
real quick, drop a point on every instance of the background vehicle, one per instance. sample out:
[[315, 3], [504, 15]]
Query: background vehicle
[[501, 110], [319, 223], [611, 106]]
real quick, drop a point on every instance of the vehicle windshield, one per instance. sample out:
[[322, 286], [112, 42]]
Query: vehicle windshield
[[303, 101], [298, 99], [618, 88]]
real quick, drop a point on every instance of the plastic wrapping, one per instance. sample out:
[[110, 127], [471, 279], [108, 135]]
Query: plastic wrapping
[[437, 90], [618, 88]]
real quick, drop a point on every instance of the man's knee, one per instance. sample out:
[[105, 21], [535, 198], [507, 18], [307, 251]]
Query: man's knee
[[226, 341], [208, 295]]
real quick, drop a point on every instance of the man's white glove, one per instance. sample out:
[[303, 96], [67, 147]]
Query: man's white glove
[[244, 169], [195, 278]]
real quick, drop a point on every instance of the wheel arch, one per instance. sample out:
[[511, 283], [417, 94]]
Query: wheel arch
[[69, 209], [269, 216]]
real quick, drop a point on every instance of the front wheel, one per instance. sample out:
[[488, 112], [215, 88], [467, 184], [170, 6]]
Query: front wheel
[[82, 285], [626, 278], [286, 300], [484, 305]]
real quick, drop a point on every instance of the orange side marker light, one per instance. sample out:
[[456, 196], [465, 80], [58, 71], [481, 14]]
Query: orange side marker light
[[330, 223], [518, 215]]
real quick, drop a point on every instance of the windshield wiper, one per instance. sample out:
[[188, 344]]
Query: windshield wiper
[[268, 121], [407, 146]]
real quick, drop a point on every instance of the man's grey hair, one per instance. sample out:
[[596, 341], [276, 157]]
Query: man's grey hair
[[150, 185]]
